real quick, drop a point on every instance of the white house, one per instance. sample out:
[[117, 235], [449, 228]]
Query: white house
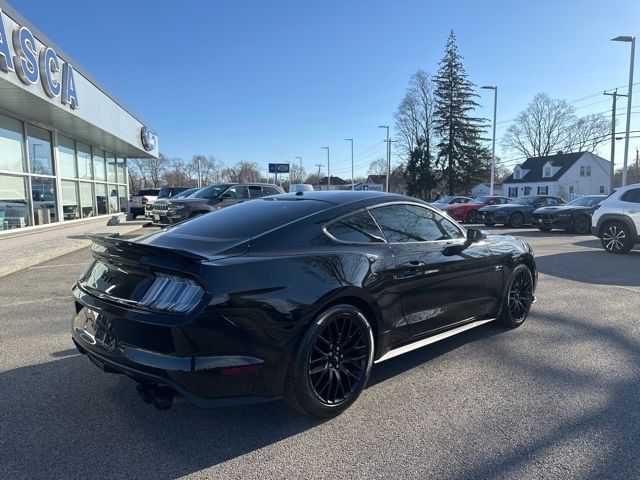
[[565, 174], [482, 189]]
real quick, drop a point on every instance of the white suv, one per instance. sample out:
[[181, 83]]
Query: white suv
[[616, 221]]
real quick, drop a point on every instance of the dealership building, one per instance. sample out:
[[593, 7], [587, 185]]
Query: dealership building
[[64, 139]]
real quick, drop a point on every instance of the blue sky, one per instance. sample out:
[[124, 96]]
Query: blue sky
[[269, 81]]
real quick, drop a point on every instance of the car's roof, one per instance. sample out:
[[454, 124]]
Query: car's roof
[[339, 197]]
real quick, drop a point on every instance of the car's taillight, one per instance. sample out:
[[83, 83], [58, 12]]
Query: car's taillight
[[172, 294], [144, 200]]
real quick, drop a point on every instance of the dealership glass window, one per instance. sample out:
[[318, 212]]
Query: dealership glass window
[[122, 198], [111, 168], [86, 200], [67, 157], [101, 198], [11, 157], [43, 194], [99, 166], [84, 162], [120, 168], [39, 149], [70, 204], [113, 199], [14, 208]]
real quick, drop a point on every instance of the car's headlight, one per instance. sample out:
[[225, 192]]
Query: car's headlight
[[172, 294]]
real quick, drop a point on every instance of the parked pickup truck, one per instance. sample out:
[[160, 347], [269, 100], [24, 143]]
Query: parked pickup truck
[[140, 200]]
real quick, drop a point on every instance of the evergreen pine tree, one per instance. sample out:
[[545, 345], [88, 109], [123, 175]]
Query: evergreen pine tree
[[461, 155]]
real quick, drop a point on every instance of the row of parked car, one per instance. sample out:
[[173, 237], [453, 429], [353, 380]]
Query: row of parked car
[[615, 219]]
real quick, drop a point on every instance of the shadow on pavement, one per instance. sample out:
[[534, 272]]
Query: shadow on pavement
[[593, 266]]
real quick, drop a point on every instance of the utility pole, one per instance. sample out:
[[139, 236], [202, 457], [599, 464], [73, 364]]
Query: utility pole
[[614, 96], [199, 173], [388, 156], [635, 176], [300, 158], [328, 169], [352, 181], [319, 165]]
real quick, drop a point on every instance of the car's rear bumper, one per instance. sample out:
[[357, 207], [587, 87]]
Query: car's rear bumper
[[118, 340]]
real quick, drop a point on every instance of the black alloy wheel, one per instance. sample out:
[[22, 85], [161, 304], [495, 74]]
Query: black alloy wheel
[[582, 224], [616, 238], [518, 297], [332, 363], [516, 220], [471, 216]]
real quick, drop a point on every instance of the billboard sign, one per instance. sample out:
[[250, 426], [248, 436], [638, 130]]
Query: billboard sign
[[278, 168]]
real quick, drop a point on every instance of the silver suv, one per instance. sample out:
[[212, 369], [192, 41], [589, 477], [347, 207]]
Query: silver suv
[[616, 221]]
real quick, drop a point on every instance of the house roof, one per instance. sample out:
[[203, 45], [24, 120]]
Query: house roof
[[334, 181], [535, 166]]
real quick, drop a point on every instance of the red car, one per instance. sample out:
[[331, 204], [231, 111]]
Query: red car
[[467, 212]]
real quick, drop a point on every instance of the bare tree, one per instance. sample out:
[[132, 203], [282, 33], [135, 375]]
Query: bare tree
[[378, 167], [587, 133], [242, 172], [414, 118], [297, 173], [549, 124]]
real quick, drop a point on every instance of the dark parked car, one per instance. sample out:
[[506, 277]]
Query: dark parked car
[[209, 199], [575, 216], [294, 295], [165, 192], [517, 213]]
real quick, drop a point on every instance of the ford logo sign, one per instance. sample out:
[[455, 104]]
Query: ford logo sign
[[149, 139]]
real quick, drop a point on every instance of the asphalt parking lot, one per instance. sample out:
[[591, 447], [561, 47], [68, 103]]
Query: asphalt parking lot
[[558, 397]]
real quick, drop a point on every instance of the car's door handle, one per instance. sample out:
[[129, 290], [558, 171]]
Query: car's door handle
[[413, 264]]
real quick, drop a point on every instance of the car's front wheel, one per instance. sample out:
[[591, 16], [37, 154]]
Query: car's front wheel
[[616, 238], [516, 220], [518, 297], [331, 364]]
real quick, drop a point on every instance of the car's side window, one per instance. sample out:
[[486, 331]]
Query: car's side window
[[411, 223], [237, 192], [270, 191], [358, 228], [632, 196], [255, 191]]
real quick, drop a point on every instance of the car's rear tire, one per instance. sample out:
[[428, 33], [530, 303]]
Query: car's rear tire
[[616, 237], [518, 297], [331, 364], [471, 217], [516, 220], [545, 229], [581, 224]]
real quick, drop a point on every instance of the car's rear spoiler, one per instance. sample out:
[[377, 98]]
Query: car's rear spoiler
[[114, 247]]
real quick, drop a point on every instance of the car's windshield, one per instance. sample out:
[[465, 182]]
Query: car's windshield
[[186, 193], [445, 199], [481, 199], [211, 191], [585, 201], [524, 200]]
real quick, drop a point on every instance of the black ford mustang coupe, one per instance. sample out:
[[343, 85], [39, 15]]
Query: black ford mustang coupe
[[294, 296]]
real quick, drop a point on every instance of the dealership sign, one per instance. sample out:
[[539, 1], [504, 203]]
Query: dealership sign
[[31, 65], [278, 168]]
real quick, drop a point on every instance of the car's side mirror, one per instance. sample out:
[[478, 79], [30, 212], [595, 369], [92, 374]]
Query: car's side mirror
[[475, 236]]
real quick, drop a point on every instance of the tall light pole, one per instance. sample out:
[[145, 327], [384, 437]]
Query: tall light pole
[[493, 143], [632, 41], [352, 181], [328, 170], [300, 158], [319, 165], [388, 156]]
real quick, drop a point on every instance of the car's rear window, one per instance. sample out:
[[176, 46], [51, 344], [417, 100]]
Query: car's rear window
[[246, 220]]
